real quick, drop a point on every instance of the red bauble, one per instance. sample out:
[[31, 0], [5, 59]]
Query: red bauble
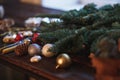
[[18, 37], [34, 38]]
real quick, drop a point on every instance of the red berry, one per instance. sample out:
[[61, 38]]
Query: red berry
[[35, 36], [18, 37]]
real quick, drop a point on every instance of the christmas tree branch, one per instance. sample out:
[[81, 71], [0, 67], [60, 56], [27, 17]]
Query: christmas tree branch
[[48, 15]]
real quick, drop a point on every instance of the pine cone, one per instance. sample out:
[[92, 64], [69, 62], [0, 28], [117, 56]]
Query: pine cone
[[21, 49]]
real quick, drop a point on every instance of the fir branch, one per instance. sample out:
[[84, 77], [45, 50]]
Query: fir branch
[[106, 22], [113, 34], [75, 16], [73, 43], [70, 44], [48, 15], [87, 24], [116, 25], [91, 8], [51, 37], [94, 34], [106, 7], [48, 27]]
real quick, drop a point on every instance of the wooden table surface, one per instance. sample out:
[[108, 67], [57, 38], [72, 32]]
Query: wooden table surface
[[46, 67]]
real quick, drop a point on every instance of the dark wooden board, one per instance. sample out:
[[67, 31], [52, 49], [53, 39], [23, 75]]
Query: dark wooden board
[[46, 68]]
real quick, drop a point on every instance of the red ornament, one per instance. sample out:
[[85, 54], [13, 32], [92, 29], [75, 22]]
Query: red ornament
[[34, 38], [18, 37]]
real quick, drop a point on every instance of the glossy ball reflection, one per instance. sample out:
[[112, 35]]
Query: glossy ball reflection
[[63, 60]]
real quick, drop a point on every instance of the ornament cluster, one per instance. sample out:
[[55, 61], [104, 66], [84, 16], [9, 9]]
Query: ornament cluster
[[22, 46]]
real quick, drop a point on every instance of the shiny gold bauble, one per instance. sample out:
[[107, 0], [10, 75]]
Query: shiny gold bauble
[[46, 52], [27, 41], [63, 60]]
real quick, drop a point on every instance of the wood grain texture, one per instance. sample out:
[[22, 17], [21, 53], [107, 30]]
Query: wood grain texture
[[46, 68]]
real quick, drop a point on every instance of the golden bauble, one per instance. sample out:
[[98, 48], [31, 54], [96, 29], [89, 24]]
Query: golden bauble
[[46, 52], [63, 60], [27, 41]]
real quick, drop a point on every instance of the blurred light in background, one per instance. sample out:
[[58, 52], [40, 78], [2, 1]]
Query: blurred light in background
[[61, 4], [74, 4]]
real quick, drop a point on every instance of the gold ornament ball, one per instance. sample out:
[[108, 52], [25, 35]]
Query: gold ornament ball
[[34, 49], [46, 52], [27, 41], [63, 60]]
